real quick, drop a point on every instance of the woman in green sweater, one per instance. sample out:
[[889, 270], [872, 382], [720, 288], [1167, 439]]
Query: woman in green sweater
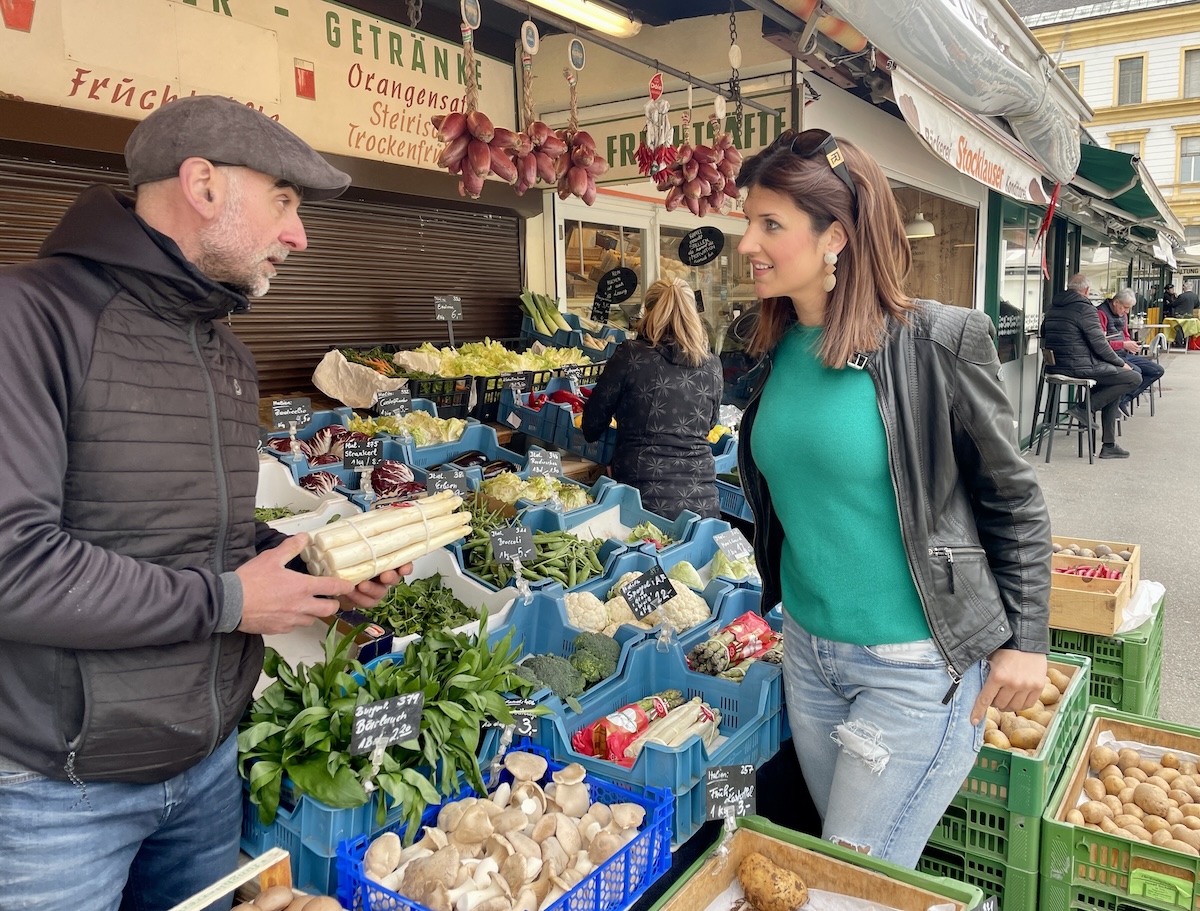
[[895, 518]]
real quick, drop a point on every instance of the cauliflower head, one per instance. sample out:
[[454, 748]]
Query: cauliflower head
[[586, 612]]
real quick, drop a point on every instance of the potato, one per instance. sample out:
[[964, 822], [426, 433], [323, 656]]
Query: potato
[[1183, 833], [1159, 782], [277, 898], [1094, 788], [1050, 693], [1138, 832], [1169, 761], [769, 887], [997, 739], [1113, 804], [1075, 817], [1093, 811], [246, 906], [1108, 825], [1161, 837], [1113, 784], [1136, 774], [1107, 771], [1125, 795], [1034, 710], [1168, 774], [1181, 798], [1044, 718], [300, 903], [1151, 799], [1027, 738], [323, 903], [1128, 759], [1174, 815], [1192, 822], [1155, 823], [1125, 820], [1182, 847], [1132, 809], [1060, 680], [1190, 809], [1100, 757], [1149, 766], [1187, 767], [993, 715]]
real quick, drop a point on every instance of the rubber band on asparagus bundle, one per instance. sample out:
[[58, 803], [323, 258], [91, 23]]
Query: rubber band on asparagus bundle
[[536, 149], [578, 169]]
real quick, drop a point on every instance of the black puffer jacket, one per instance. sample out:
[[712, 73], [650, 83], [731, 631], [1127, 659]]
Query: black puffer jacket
[[664, 410], [130, 421], [1072, 330]]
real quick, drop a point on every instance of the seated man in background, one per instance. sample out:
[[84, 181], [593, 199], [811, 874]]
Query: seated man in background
[[1114, 320], [1072, 331]]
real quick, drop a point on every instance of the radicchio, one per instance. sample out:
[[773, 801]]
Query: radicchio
[[340, 440], [320, 481], [284, 445], [321, 441], [325, 458], [387, 477]]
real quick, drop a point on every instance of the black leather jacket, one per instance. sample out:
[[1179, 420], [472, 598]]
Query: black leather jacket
[[974, 523]]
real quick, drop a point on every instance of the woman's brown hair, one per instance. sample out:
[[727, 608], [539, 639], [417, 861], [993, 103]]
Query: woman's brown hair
[[871, 268], [671, 316]]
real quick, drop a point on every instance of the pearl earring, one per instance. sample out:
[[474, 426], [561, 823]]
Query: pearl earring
[[830, 280]]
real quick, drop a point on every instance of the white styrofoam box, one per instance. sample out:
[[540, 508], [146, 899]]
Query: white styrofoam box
[[465, 589], [276, 488]]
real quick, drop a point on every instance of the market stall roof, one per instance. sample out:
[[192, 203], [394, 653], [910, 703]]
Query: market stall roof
[[1123, 187]]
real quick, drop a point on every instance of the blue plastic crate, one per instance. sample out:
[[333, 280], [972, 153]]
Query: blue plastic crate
[[615, 884], [310, 830], [476, 437], [733, 501], [541, 422], [561, 337], [488, 390], [750, 724], [450, 395], [700, 549], [540, 627], [601, 451], [725, 453]]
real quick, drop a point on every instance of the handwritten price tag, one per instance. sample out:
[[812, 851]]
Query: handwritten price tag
[[388, 721], [286, 411], [648, 592], [729, 790]]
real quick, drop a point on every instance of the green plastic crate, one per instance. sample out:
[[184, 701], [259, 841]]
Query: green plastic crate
[[1130, 654], [1136, 874], [967, 895], [982, 828], [1015, 889], [1084, 899], [1137, 697], [1022, 784]]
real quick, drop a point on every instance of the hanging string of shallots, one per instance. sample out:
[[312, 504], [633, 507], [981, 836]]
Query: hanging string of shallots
[[538, 148], [475, 148], [578, 169]]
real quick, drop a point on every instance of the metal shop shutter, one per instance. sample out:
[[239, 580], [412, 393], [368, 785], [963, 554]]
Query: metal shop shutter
[[367, 278]]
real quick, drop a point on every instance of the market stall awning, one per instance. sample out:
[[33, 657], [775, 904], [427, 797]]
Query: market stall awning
[[1124, 188], [967, 142]]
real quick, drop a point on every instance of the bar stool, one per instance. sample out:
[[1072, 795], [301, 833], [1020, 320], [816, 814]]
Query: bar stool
[[1079, 391]]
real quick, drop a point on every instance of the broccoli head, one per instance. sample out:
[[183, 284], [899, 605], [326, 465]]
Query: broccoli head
[[555, 672], [596, 656]]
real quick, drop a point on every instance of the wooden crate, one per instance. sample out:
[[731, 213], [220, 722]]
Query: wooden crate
[[822, 866], [1092, 605]]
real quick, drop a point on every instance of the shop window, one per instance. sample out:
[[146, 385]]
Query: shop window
[[1129, 80], [1129, 148], [592, 249], [1191, 74], [725, 286], [1072, 74], [1191, 235], [1189, 159]]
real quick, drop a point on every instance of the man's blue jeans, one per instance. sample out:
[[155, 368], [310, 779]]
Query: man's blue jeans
[[882, 757], [1150, 371], [133, 847]]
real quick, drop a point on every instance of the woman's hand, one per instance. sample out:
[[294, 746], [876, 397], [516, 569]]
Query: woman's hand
[[1014, 682]]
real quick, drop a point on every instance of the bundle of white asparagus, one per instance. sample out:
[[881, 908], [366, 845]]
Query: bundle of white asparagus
[[362, 546]]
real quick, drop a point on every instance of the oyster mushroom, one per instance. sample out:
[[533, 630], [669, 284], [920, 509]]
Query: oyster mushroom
[[627, 815], [544, 827], [383, 856], [433, 839], [512, 820], [567, 833], [441, 867], [572, 773], [601, 812], [583, 864], [574, 799], [526, 900], [501, 795], [474, 826], [604, 846], [553, 856], [529, 798], [437, 898], [588, 827], [449, 815], [484, 870], [525, 766], [514, 870]]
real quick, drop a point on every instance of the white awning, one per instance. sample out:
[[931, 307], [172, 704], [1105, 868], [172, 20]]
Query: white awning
[[967, 142]]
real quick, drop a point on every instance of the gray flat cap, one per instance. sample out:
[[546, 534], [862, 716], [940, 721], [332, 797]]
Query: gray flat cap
[[227, 132]]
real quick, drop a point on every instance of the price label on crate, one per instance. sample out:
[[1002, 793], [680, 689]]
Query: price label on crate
[[285, 412], [518, 382], [571, 373], [447, 307], [514, 542], [452, 479], [648, 592], [540, 461], [359, 454], [526, 723], [733, 544], [388, 721], [729, 790], [397, 402]]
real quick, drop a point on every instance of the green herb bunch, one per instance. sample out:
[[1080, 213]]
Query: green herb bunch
[[419, 606], [301, 725]]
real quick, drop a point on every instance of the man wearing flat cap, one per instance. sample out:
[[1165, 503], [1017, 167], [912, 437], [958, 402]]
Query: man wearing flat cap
[[135, 583]]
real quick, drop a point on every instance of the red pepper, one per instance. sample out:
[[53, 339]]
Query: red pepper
[[537, 400], [563, 397], [585, 391]]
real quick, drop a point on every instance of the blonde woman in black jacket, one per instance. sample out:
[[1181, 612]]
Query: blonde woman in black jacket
[[664, 389]]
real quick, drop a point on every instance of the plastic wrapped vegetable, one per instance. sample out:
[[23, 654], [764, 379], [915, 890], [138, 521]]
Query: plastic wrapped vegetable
[[684, 572], [692, 717], [745, 637], [607, 737]]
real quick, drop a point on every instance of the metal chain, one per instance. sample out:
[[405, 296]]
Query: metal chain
[[735, 82], [414, 12]]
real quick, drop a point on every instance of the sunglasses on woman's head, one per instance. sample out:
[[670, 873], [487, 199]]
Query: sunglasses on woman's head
[[820, 143]]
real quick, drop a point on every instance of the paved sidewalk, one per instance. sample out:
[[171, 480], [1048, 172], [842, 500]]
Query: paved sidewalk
[[1153, 499]]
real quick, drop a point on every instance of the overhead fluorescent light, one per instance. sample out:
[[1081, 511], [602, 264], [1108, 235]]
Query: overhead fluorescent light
[[596, 16]]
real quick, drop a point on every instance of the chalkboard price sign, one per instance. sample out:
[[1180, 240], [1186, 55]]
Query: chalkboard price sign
[[388, 721], [699, 301], [733, 544], [729, 790], [451, 479], [284, 412], [447, 307], [539, 461], [526, 723], [515, 542], [358, 454], [518, 382], [648, 592], [600, 309], [701, 246], [617, 285], [397, 402]]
